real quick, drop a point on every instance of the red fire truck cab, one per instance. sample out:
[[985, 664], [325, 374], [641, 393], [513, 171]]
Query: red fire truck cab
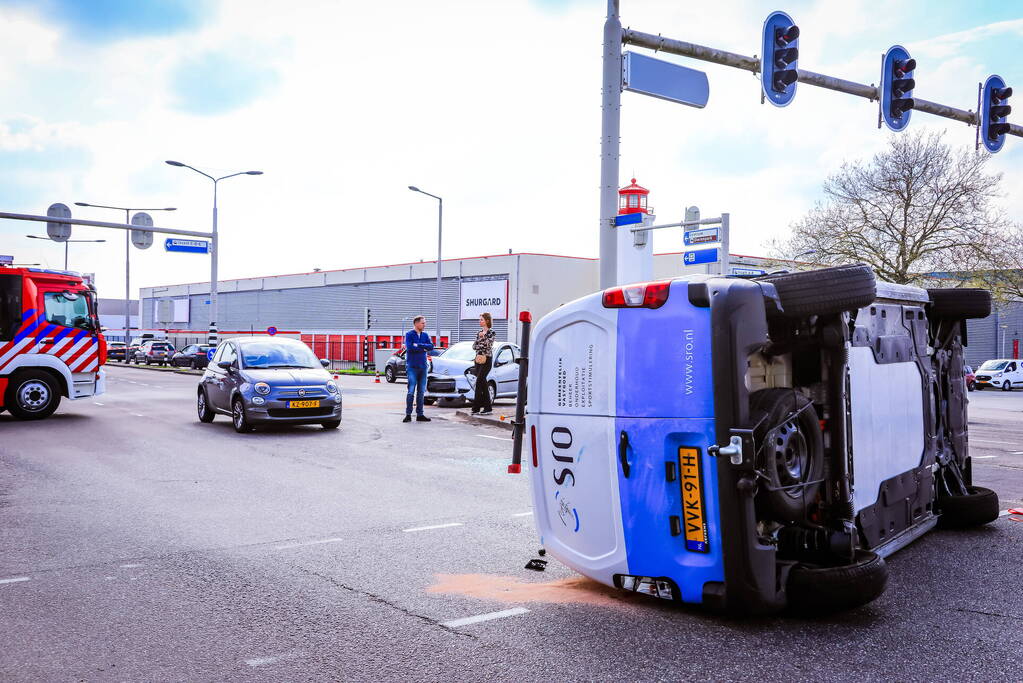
[[50, 341]]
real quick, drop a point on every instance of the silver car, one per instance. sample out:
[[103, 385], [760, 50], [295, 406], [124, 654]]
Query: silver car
[[260, 380], [453, 380]]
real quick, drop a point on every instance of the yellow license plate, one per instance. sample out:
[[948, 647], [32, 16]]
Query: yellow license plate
[[303, 404], [694, 520]]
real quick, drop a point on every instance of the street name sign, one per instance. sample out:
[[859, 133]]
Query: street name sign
[[629, 219], [664, 80], [747, 271], [705, 236], [697, 256], [187, 246]]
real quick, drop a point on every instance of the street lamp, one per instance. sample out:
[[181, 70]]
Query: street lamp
[[1005, 329], [37, 237], [127, 261], [440, 229], [214, 243]]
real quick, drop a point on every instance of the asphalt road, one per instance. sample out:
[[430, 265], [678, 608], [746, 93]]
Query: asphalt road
[[139, 544]]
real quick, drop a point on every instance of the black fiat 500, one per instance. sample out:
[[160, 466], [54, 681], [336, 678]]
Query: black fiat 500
[[260, 380]]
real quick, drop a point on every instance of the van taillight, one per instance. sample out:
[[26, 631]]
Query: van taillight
[[532, 439], [642, 295]]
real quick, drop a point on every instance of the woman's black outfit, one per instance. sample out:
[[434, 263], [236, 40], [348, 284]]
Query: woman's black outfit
[[484, 345]]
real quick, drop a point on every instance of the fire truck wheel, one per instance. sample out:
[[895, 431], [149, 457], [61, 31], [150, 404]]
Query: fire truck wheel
[[32, 395], [824, 291]]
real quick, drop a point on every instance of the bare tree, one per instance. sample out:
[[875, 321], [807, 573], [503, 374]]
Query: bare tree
[[1005, 278], [917, 208]]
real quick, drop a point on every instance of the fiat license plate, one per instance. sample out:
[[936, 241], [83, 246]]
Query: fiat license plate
[[693, 509], [303, 404]]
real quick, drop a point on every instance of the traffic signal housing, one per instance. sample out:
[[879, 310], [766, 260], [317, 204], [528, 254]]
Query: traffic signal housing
[[994, 110], [897, 84], [778, 73]]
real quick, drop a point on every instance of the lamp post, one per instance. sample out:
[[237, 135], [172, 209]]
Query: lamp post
[[127, 262], [214, 244], [1005, 329], [440, 229], [37, 237]]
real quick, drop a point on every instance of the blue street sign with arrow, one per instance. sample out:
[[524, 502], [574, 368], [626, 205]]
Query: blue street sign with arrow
[[629, 219], [697, 256], [187, 246]]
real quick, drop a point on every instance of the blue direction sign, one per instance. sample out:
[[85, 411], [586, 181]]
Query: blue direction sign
[[664, 80], [187, 246], [697, 256], [747, 272], [705, 236], [629, 219]]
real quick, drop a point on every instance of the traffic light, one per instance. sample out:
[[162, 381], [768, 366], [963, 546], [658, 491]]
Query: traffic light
[[897, 84], [993, 112], [778, 73]]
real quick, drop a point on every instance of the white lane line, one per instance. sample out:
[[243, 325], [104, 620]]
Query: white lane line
[[97, 403], [17, 579], [435, 526], [321, 542], [497, 438], [522, 514], [1016, 453], [1003, 513], [455, 623], [131, 566], [983, 457], [263, 661]]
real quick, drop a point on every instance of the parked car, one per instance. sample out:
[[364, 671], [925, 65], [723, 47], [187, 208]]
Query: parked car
[[970, 377], [258, 380], [395, 367], [1001, 373], [753, 445], [452, 380], [117, 350], [154, 351], [192, 356]]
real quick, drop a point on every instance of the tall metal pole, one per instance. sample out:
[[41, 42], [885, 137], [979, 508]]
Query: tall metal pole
[[65, 254], [610, 140], [127, 286], [440, 228], [214, 244], [726, 235]]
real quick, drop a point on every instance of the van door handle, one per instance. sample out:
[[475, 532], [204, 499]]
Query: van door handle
[[623, 448]]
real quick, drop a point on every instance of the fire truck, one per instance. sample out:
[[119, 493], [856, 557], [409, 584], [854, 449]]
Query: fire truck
[[50, 341]]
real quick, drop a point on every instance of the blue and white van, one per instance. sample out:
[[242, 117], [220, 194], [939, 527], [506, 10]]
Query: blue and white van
[[750, 443]]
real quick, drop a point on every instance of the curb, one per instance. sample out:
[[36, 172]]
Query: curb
[[489, 421]]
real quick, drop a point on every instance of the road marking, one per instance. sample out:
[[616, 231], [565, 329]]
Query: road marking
[[1003, 513], [498, 438], [1016, 453], [97, 403], [131, 566], [435, 526], [455, 623], [983, 457], [138, 414], [522, 514], [299, 545], [17, 579], [263, 661]]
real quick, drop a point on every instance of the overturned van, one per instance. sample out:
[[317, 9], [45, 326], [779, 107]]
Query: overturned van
[[751, 444]]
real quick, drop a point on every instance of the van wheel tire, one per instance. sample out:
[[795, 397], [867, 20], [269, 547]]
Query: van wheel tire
[[390, 375], [32, 395], [202, 405], [821, 589], [790, 452], [980, 506], [960, 304], [429, 401], [1006, 386], [824, 291], [241, 424], [331, 424]]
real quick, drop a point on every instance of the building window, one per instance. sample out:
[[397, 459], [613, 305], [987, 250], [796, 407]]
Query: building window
[[633, 201]]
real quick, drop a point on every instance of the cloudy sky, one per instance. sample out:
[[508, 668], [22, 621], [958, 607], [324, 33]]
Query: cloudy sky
[[493, 105]]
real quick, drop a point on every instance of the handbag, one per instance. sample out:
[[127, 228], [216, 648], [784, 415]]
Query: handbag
[[480, 359]]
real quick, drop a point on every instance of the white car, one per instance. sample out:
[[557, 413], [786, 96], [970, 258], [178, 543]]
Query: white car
[[453, 380], [1001, 373]]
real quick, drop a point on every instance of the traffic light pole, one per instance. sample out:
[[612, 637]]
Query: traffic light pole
[[751, 64], [610, 141]]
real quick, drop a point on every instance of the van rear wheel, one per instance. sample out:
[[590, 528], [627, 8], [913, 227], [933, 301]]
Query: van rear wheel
[[960, 304], [820, 589], [824, 291], [32, 395]]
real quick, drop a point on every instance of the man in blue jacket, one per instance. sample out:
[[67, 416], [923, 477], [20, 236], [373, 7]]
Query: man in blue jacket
[[417, 348]]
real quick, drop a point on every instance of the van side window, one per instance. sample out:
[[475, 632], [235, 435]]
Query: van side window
[[10, 306], [1011, 368]]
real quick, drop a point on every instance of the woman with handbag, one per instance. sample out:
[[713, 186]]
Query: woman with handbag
[[484, 348]]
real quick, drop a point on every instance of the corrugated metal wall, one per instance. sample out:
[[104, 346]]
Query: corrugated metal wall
[[988, 339], [334, 307]]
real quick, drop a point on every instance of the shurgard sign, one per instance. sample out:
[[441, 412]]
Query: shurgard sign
[[484, 296]]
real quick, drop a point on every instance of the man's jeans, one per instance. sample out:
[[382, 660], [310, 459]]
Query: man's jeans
[[416, 387]]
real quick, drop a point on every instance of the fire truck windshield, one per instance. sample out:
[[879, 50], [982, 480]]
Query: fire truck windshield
[[69, 309]]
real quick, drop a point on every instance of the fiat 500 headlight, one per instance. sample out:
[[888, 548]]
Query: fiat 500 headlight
[[331, 387], [262, 388]]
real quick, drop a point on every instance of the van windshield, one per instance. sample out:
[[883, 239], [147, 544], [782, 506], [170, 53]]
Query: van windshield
[[994, 365]]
